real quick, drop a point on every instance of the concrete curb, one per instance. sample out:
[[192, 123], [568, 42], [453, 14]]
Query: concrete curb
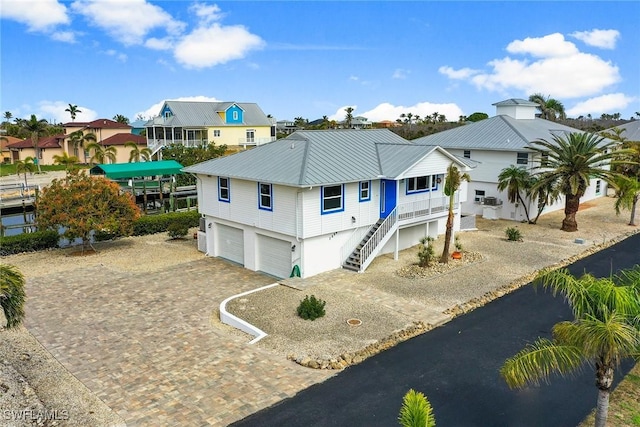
[[231, 320]]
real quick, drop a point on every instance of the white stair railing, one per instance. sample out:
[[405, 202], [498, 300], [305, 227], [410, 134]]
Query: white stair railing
[[353, 241], [381, 236]]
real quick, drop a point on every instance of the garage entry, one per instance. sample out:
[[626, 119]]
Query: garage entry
[[231, 243], [274, 256]]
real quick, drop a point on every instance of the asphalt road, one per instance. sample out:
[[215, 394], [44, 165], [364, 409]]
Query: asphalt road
[[457, 365]]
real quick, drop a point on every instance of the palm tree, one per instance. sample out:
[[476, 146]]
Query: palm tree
[[12, 295], [571, 162], [605, 330], [35, 128], [544, 194], [73, 111], [66, 159], [628, 194], [102, 153], [416, 411], [121, 119], [349, 117], [452, 183], [515, 179], [138, 154], [24, 166], [550, 108], [7, 116]]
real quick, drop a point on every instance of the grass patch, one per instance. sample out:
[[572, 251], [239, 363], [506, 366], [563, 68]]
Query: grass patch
[[624, 403], [10, 169]]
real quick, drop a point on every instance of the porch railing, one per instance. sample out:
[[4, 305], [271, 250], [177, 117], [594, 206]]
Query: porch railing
[[353, 240], [422, 208]]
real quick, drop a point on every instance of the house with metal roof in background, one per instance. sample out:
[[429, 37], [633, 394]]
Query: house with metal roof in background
[[497, 143], [237, 125], [321, 200]]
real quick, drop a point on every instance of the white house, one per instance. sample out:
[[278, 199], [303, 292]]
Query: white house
[[319, 200], [497, 143]]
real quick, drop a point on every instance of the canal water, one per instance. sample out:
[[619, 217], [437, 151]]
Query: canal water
[[18, 223]]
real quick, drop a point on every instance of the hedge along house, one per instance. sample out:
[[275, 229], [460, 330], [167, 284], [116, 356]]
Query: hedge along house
[[496, 143], [320, 200]]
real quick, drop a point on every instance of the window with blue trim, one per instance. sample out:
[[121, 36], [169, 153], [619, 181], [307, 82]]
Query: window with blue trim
[[265, 196], [224, 193], [332, 199], [435, 180], [417, 184], [365, 191]]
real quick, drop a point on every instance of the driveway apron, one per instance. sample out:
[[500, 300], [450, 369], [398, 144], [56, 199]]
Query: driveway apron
[[150, 345]]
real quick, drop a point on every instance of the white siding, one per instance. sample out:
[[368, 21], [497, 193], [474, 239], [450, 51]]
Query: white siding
[[433, 164], [243, 205], [365, 213], [322, 253]]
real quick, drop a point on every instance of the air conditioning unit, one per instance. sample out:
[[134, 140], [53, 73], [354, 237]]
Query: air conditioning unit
[[491, 201]]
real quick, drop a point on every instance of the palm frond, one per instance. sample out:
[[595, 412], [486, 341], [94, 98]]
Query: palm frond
[[538, 361], [416, 411]]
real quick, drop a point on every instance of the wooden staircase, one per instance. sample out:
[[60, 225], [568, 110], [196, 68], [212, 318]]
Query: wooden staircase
[[354, 261]]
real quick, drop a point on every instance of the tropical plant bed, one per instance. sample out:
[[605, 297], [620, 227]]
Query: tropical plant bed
[[414, 271]]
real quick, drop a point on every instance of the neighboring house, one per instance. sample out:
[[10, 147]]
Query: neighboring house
[[48, 146], [107, 132], [319, 200], [119, 140], [358, 122], [497, 143], [5, 151], [137, 127], [631, 130], [286, 127], [234, 124]]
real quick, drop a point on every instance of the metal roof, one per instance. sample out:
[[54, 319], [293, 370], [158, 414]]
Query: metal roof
[[631, 130], [131, 170], [515, 101], [322, 157], [205, 114], [502, 133]]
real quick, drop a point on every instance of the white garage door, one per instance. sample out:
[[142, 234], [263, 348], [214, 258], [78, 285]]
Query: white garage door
[[231, 243], [274, 256]]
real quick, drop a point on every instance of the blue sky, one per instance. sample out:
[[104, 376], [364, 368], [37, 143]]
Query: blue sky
[[311, 59]]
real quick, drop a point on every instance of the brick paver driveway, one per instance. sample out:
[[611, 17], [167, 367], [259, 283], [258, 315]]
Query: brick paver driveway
[[145, 343]]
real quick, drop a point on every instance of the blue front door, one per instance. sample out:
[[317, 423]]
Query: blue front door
[[387, 197]]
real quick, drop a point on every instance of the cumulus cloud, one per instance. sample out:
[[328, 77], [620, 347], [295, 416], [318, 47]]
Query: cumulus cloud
[[53, 111], [207, 13], [64, 36], [387, 111], [612, 102], [558, 69], [605, 39], [543, 47], [210, 46], [154, 110], [128, 22], [37, 15]]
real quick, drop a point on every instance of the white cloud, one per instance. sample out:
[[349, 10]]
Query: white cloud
[[154, 110], [605, 39], [399, 73], [207, 47], [53, 111], [118, 55], [613, 102], [38, 15], [165, 43], [64, 36], [559, 70], [387, 111], [128, 22], [461, 74], [206, 13], [543, 47]]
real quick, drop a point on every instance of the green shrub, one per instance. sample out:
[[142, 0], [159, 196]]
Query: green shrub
[[311, 308], [177, 229], [151, 224], [28, 242], [416, 411], [457, 244], [426, 253], [513, 234]]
